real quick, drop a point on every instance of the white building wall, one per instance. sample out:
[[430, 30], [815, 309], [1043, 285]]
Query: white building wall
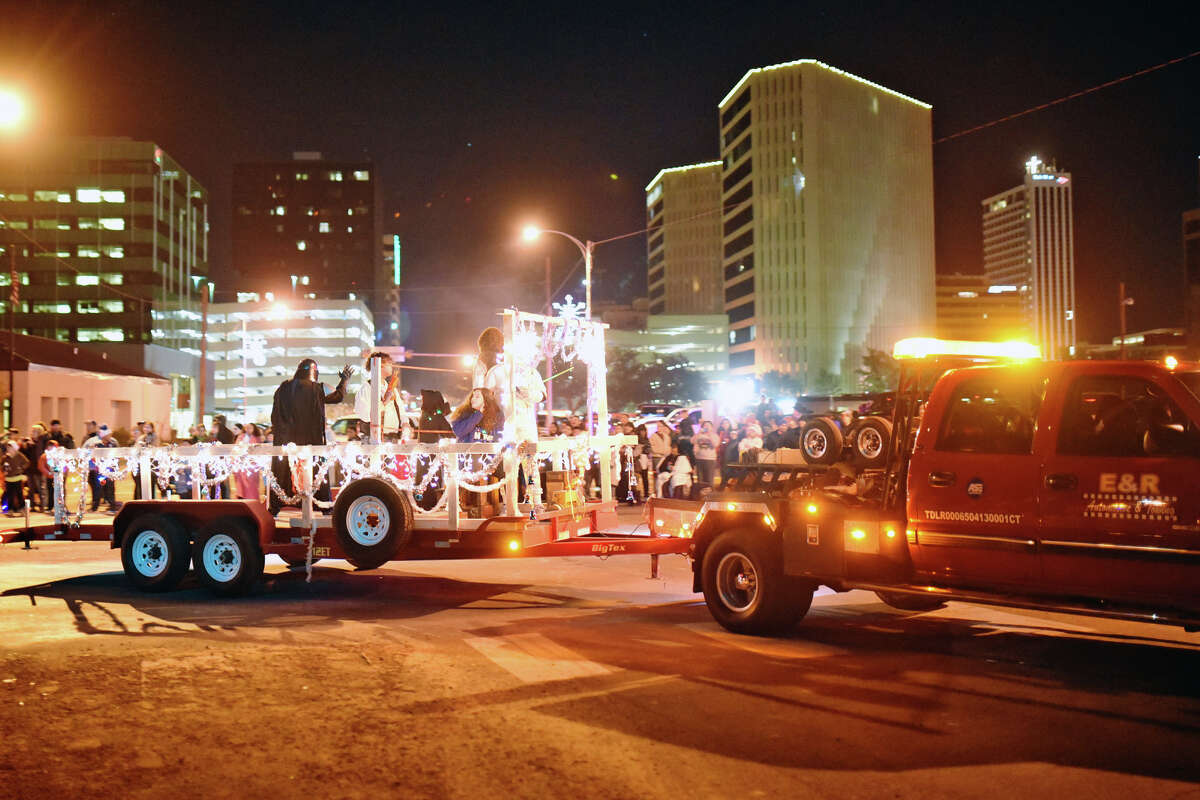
[[75, 396]]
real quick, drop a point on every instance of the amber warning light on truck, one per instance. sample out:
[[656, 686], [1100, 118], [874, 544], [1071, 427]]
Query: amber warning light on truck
[[924, 348]]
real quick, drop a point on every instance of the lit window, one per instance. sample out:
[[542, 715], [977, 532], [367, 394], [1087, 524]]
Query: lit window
[[19, 197], [112, 278], [310, 211], [362, 175], [51, 308], [113, 195], [112, 306], [87, 223], [112, 223], [64, 197], [16, 224], [51, 224], [301, 176], [335, 175], [304, 280], [85, 195], [44, 196], [349, 212], [279, 211], [87, 251], [87, 280], [114, 251], [301, 245], [101, 335], [323, 227]]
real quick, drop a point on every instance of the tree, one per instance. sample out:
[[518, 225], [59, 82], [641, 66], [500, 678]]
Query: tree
[[777, 384], [673, 380], [627, 379], [879, 371]]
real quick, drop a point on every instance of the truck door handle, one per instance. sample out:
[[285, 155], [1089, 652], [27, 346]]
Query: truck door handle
[[941, 479], [1062, 481]]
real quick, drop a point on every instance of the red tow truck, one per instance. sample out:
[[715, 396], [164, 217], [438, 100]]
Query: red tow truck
[[1064, 486]]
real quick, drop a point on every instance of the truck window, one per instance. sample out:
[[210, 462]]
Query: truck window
[[1119, 416], [993, 414]]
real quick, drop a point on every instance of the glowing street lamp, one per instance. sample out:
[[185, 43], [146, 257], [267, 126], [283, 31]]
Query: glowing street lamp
[[12, 109], [532, 232]]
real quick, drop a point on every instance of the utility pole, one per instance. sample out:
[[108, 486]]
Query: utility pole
[[1125, 302], [549, 360], [14, 297]]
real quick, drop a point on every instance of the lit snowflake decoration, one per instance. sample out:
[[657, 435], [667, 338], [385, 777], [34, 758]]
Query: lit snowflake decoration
[[570, 309]]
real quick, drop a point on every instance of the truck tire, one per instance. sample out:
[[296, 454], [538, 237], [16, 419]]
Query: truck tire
[[155, 553], [821, 441], [228, 558], [871, 440], [745, 588], [910, 602], [372, 521]]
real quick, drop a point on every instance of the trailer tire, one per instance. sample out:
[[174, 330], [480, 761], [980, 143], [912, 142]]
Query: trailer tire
[[228, 558], [821, 441], [745, 588], [910, 602], [373, 521], [871, 439], [155, 553]]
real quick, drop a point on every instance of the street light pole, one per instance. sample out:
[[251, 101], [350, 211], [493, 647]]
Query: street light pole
[[585, 248]]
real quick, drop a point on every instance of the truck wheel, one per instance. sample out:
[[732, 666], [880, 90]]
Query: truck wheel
[[910, 602], [745, 588], [871, 441], [227, 556], [821, 442], [372, 521], [155, 553]]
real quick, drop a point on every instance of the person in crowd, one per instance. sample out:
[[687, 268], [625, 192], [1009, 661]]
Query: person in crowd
[[248, 482], [144, 436], [681, 469], [662, 481], [47, 474], [104, 489], [391, 419], [298, 417], [660, 444], [750, 444], [221, 432], [479, 419], [15, 465], [63, 438], [32, 448], [706, 444]]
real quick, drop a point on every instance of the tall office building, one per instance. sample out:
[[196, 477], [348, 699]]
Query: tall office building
[[683, 246], [827, 197], [309, 223], [969, 308], [108, 238], [1029, 242]]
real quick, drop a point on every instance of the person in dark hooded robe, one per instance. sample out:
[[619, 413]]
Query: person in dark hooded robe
[[298, 416]]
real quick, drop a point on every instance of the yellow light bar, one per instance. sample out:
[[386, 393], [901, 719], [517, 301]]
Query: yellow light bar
[[920, 347]]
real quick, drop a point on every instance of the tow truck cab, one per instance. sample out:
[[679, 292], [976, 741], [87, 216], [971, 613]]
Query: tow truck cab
[[1068, 486]]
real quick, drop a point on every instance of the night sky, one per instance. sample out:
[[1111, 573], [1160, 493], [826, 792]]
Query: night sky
[[481, 118]]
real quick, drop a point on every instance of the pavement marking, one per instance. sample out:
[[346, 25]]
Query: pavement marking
[[775, 648], [533, 658], [661, 643]]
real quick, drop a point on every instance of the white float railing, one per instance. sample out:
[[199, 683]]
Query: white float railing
[[445, 465]]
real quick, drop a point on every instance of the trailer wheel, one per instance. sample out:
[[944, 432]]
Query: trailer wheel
[[228, 558], [155, 553], [871, 441], [372, 521], [745, 588], [821, 442], [910, 602]]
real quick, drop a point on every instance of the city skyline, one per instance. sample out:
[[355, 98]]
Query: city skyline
[[475, 131]]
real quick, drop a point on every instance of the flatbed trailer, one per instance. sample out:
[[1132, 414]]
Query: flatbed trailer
[[375, 514]]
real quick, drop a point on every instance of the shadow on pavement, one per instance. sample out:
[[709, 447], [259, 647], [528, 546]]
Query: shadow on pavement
[[863, 687]]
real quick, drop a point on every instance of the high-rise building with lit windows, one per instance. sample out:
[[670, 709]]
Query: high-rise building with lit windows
[[306, 228], [1191, 271], [1029, 242], [108, 238], [827, 221], [683, 243]]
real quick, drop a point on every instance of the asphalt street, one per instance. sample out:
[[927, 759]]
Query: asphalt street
[[565, 678]]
